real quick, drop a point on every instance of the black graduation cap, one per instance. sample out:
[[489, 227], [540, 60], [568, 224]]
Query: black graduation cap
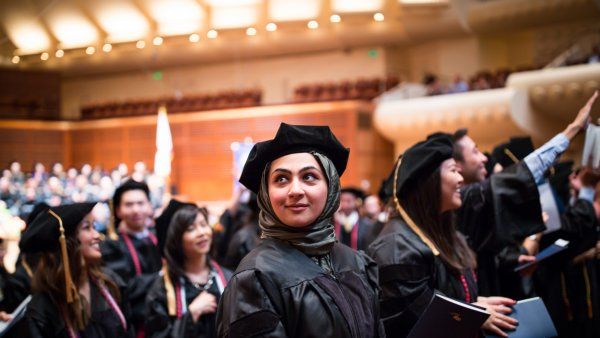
[[490, 164], [422, 159], [44, 232], [37, 209], [358, 193], [515, 150], [128, 185], [291, 139], [559, 180], [163, 221], [386, 190]]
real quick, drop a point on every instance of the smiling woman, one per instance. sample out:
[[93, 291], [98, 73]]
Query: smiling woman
[[72, 295], [299, 265]]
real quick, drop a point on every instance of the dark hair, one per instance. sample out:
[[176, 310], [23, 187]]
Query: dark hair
[[49, 278], [174, 254], [457, 149], [423, 205]]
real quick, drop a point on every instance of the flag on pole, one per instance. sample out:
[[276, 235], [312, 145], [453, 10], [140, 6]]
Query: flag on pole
[[164, 145]]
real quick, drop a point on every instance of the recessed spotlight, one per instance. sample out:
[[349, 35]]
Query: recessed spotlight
[[212, 34], [44, 56], [140, 44], [59, 53], [157, 41], [378, 17], [251, 31], [271, 27], [312, 24], [16, 59], [335, 18], [90, 50], [107, 47], [194, 37]]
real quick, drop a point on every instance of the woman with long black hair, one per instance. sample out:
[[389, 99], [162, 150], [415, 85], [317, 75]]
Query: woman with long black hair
[[183, 301], [419, 251], [299, 282], [72, 295]]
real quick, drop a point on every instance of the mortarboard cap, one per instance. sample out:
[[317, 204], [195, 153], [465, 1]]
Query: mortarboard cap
[[291, 139]]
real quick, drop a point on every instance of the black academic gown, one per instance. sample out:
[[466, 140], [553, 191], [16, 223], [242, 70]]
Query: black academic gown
[[363, 228], [242, 242], [570, 291], [159, 324], [278, 291], [117, 257], [409, 274], [494, 213], [44, 320]]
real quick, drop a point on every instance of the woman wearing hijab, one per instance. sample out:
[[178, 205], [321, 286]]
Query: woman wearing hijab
[[299, 282], [72, 295], [419, 251], [183, 301]]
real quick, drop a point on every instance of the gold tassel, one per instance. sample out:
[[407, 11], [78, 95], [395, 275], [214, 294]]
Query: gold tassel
[[171, 300], [407, 219], [26, 266], [563, 289], [110, 227], [65, 258], [511, 155], [588, 291]]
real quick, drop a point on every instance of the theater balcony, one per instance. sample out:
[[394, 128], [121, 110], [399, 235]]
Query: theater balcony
[[539, 103]]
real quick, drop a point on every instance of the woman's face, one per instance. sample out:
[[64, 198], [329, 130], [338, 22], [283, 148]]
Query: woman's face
[[451, 181], [89, 240], [297, 189], [197, 237]]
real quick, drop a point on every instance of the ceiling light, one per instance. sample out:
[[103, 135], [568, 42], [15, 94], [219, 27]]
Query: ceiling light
[[212, 34], [271, 27], [90, 50], [194, 37], [312, 24], [121, 20], [59, 53], [157, 41], [44, 56], [107, 47], [251, 31], [378, 17], [335, 18], [294, 10], [140, 44], [356, 6], [16, 59]]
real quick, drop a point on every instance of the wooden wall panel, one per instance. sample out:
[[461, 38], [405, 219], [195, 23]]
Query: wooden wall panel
[[202, 163]]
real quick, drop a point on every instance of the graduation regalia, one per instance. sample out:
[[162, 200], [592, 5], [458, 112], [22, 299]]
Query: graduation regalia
[[108, 317], [44, 319], [134, 257], [570, 290], [494, 212], [168, 299], [162, 324], [278, 291], [137, 262], [300, 282], [409, 273]]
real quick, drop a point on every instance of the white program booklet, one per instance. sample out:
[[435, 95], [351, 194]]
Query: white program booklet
[[591, 147]]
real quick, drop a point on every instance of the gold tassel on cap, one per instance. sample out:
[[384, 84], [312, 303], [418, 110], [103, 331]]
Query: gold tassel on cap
[[70, 287], [110, 227], [511, 155], [171, 300], [407, 218]]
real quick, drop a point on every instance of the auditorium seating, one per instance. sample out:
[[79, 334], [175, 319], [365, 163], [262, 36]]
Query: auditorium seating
[[187, 103], [360, 89]]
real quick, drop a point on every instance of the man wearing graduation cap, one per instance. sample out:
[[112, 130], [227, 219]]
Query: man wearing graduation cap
[[350, 227], [134, 254], [506, 205]]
